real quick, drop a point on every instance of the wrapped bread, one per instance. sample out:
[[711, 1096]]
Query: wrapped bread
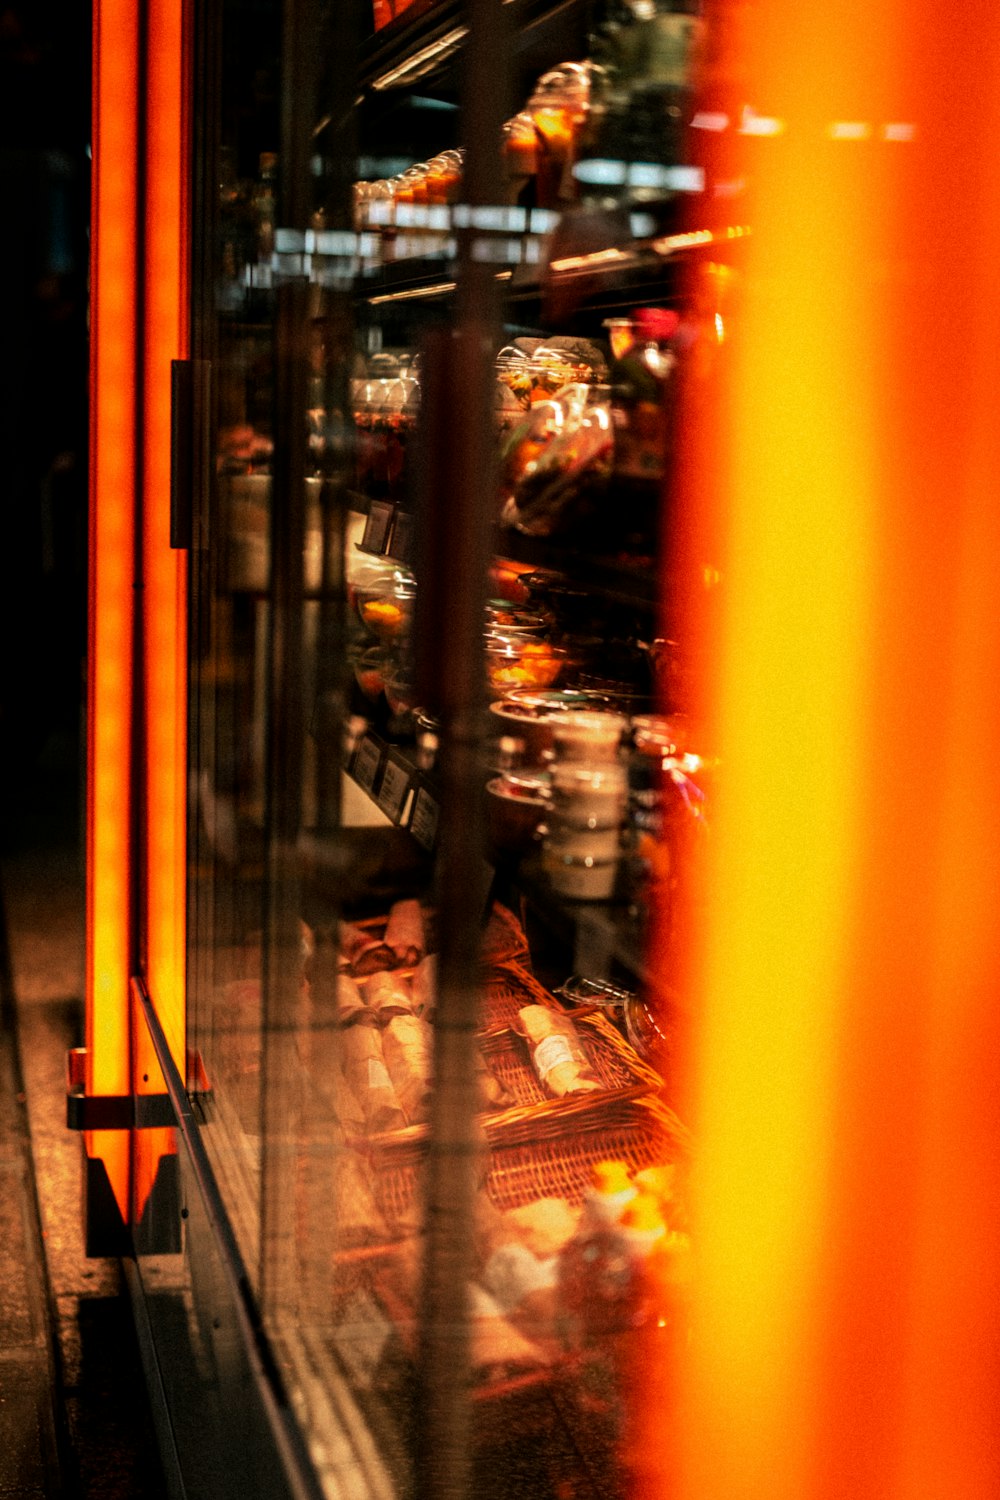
[[364, 1067], [404, 932], [561, 1065], [408, 1047], [351, 1007], [362, 953], [387, 995], [423, 985]]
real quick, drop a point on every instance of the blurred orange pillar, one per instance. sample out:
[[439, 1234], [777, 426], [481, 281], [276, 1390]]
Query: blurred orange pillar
[[845, 1057]]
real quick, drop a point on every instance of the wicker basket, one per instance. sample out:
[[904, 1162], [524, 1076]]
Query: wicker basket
[[541, 1154]]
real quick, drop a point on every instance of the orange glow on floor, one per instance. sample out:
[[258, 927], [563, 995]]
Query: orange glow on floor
[[112, 467]]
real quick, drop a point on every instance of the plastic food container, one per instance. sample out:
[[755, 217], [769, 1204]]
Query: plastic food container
[[579, 735], [580, 878], [531, 717], [524, 662], [386, 608], [591, 797]]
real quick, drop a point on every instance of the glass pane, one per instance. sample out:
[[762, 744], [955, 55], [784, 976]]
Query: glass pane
[[234, 336], [450, 722]]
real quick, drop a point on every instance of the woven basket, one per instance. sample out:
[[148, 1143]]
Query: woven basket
[[542, 1155]]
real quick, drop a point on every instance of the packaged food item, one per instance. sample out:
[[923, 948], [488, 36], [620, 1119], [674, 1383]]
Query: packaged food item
[[386, 607], [404, 932], [523, 661], [588, 735], [364, 1067], [423, 985], [358, 1218], [504, 940], [362, 952], [387, 995], [351, 1007], [408, 1046], [515, 808], [370, 668], [556, 1051], [555, 466], [588, 796], [444, 177]]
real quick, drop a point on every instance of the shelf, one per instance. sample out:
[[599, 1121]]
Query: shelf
[[421, 44], [565, 287]]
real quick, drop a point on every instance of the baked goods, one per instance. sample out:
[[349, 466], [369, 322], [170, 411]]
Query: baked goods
[[423, 985], [408, 1048], [351, 1007], [363, 1065], [404, 932], [557, 1054], [363, 953], [387, 995]]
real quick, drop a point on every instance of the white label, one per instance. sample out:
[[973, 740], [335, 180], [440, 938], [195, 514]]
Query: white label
[[551, 1052], [366, 764]]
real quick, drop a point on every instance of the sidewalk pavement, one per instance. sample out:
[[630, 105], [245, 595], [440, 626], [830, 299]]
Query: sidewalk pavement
[[74, 1420]]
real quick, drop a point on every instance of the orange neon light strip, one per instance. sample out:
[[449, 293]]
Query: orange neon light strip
[[164, 570], [112, 493], [848, 1204], [165, 608]]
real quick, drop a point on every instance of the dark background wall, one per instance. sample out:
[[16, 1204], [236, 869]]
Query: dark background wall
[[44, 211]]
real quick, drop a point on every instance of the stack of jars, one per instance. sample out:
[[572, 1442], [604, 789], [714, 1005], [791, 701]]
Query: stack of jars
[[384, 406], [588, 805], [427, 183]]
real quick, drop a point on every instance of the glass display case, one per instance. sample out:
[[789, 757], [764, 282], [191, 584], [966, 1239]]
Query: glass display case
[[462, 284], [550, 522]]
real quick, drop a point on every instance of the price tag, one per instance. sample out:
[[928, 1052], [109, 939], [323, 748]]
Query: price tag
[[424, 822], [366, 763], [392, 792], [377, 526], [402, 537]]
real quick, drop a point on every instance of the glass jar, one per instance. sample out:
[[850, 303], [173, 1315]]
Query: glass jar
[[558, 108]]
